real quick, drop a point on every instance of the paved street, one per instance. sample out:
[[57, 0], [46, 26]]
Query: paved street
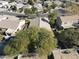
[[11, 13]]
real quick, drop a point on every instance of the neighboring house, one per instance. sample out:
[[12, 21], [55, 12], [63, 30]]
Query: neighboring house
[[68, 21], [41, 22], [11, 24]]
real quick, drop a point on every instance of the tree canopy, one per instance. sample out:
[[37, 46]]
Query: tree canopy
[[17, 45], [33, 10], [31, 40], [46, 42], [53, 5], [52, 18], [69, 37]]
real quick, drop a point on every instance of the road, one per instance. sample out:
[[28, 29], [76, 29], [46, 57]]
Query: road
[[12, 13]]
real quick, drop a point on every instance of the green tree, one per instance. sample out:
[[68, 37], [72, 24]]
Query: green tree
[[18, 45], [53, 5], [32, 40], [69, 37], [42, 41], [52, 17], [33, 10], [28, 11], [46, 42]]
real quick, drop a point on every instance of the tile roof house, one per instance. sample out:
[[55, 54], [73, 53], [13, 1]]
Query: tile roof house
[[68, 21], [11, 24]]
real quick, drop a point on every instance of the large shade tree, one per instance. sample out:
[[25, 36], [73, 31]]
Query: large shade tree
[[33, 10], [69, 37], [46, 42], [17, 45], [32, 40], [52, 18]]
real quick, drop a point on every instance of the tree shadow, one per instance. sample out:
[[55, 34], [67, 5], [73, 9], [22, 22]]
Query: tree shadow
[[62, 45], [51, 56]]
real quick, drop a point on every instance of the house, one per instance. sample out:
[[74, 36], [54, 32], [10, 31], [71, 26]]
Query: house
[[41, 22], [11, 24], [68, 21]]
